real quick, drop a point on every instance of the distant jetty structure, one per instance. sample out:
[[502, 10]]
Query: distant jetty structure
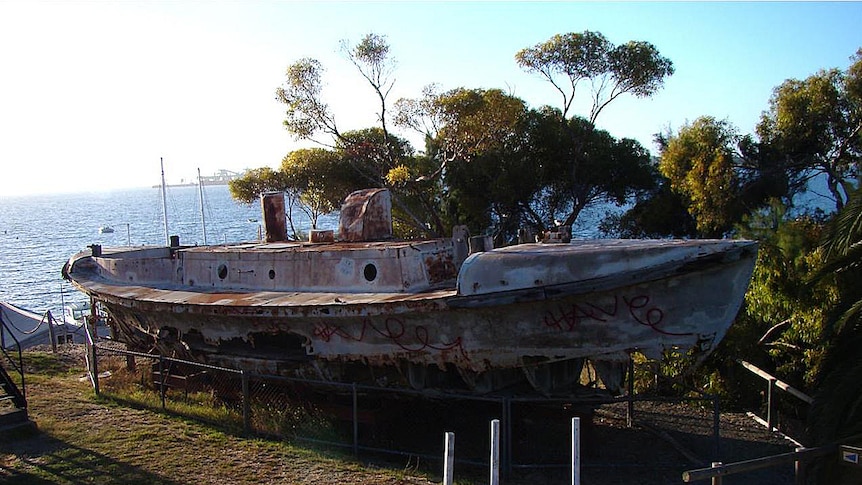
[[221, 177]]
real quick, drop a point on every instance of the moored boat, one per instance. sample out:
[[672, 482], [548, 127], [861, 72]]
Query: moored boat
[[424, 314]]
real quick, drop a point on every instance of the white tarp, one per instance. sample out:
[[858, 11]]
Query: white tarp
[[23, 327]]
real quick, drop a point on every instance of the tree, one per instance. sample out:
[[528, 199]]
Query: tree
[[660, 213], [699, 163], [314, 181], [565, 60], [582, 165], [836, 414], [816, 125], [381, 159], [306, 113]]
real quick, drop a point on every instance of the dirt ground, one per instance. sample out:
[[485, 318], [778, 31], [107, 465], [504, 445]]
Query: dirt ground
[[665, 441]]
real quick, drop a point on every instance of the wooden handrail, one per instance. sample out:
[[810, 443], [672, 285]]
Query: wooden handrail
[[778, 382], [757, 463]]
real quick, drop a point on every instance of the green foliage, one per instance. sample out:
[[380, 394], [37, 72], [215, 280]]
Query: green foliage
[[306, 113], [658, 214], [565, 60], [698, 162], [544, 168], [836, 414], [248, 188], [582, 165], [779, 305], [816, 124]]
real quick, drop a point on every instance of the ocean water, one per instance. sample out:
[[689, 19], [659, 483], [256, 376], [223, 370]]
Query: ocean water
[[39, 233]]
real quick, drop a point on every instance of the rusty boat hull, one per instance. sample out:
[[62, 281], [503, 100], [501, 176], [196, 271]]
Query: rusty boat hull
[[423, 314]]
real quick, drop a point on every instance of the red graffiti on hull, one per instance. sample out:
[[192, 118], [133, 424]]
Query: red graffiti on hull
[[394, 330], [638, 307]]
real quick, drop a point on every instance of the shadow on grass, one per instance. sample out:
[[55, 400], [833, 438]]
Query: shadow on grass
[[42, 459]]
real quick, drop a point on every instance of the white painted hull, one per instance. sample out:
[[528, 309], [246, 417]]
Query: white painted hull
[[521, 310]]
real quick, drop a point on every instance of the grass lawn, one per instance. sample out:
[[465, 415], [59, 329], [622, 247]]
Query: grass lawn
[[82, 438]]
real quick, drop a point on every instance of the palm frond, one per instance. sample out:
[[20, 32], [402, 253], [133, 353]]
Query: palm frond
[[846, 229]]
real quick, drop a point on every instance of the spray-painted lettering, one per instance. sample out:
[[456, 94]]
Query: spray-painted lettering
[[394, 330], [569, 318]]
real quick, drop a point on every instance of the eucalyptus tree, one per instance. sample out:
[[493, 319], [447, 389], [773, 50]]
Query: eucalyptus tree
[[582, 165], [815, 125], [508, 166], [699, 163], [314, 181], [565, 60], [474, 140], [375, 154]]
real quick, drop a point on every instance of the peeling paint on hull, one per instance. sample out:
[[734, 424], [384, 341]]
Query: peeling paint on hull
[[530, 312]]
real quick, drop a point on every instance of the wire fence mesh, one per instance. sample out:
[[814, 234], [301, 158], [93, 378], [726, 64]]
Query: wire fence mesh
[[382, 420]]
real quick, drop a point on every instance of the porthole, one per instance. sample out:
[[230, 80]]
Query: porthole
[[370, 272], [272, 274], [222, 271]]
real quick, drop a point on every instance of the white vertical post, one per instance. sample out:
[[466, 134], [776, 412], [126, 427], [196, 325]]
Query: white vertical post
[[449, 459], [576, 451], [495, 452], [716, 480]]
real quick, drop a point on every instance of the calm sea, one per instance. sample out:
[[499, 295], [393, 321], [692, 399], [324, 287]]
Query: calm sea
[[39, 233]]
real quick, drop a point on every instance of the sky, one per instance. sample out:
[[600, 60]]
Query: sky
[[93, 94]]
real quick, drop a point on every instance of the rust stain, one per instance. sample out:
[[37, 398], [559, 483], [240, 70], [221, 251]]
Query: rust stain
[[441, 267]]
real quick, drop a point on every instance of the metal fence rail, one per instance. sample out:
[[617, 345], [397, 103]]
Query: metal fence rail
[[349, 415]]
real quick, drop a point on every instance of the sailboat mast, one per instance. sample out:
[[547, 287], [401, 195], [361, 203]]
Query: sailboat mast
[[201, 192], [164, 203]]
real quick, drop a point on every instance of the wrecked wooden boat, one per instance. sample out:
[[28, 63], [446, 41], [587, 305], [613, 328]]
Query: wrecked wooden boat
[[438, 314]]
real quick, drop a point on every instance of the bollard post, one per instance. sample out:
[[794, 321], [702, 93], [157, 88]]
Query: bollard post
[[576, 451], [495, 452], [449, 458], [716, 480]]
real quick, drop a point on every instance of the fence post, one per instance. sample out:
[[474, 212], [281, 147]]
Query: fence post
[[576, 451], [716, 480], [246, 403], [449, 458], [94, 364], [495, 452], [716, 426], [799, 468], [355, 421], [630, 408], [51, 333], [770, 404], [162, 378], [507, 421]]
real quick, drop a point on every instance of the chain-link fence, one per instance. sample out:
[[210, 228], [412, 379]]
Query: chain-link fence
[[535, 431]]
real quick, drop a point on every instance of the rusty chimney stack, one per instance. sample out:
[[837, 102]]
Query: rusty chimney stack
[[366, 215], [274, 219]]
